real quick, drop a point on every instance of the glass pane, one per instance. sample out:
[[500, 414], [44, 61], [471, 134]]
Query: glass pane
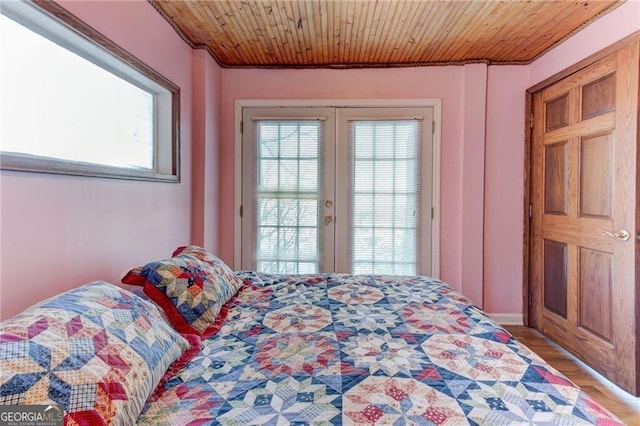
[[308, 141], [404, 269], [268, 242], [289, 212], [363, 208], [404, 210], [384, 210], [384, 196], [362, 243], [268, 140], [307, 268], [288, 193], [288, 133], [308, 244], [384, 140], [383, 244], [308, 175], [308, 213], [288, 243], [268, 212], [289, 145], [383, 268], [268, 175], [404, 175], [404, 244], [268, 267], [84, 112], [364, 140], [384, 176], [289, 175], [406, 136], [364, 172], [362, 268]]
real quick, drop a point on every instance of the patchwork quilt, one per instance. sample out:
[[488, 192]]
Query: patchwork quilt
[[344, 349]]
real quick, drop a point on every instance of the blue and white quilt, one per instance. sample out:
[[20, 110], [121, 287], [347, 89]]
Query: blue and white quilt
[[342, 349]]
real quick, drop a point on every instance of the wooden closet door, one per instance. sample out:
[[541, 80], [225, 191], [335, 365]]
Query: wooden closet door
[[583, 227]]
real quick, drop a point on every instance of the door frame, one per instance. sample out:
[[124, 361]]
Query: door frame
[[434, 103], [325, 188], [530, 299]]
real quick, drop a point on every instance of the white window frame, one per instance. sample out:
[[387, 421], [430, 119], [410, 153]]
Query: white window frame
[[58, 25], [436, 104]]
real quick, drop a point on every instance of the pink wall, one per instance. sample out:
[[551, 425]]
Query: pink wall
[[206, 150], [503, 189], [446, 83], [617, 24], [474, 106], [58, 232]]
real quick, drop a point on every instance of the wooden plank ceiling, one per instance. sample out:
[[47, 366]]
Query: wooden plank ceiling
[[376, 33]]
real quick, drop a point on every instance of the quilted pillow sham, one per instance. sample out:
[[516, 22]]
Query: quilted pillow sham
[[205, 256], [191, 291], [98, 351]]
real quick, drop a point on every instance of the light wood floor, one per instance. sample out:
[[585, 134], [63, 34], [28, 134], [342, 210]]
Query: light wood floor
[[620, 403]]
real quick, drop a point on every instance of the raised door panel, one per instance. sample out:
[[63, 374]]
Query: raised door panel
[[596, 176], [555, 277], [595, 274], [599, 96], [556, 170], [557, 113]]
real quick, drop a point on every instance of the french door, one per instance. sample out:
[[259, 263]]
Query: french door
[[337, 189]]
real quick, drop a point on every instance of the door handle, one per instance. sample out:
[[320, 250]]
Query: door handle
[[621, 235], [328, 219]]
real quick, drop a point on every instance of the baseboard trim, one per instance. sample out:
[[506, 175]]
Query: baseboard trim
[[507, 319]]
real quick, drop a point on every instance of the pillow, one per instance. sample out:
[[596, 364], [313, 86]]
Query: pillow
[[192, 292], [98, 351], [205, 256], [222, 269], [138, 291], [195, 343]]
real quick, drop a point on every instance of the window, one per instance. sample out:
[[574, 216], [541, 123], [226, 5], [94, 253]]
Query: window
[[384, 195], [337, 189], [74, 103]]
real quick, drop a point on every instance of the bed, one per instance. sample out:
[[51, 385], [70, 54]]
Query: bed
[[306, 349]]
